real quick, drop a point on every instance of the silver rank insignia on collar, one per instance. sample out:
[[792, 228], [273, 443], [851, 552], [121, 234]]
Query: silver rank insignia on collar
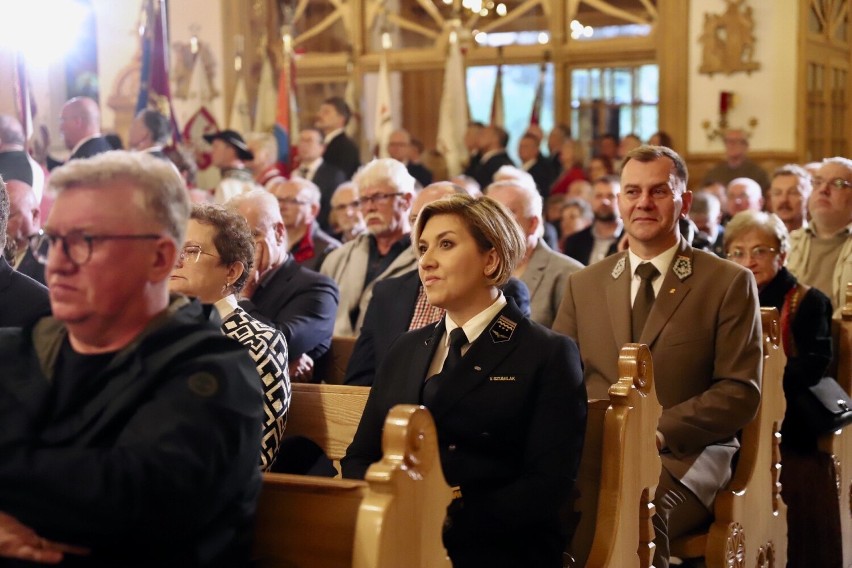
[[682, 267], [619, 267], [502, 330]]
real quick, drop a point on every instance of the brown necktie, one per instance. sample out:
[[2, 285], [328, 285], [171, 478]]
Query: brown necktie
[[644, 298]]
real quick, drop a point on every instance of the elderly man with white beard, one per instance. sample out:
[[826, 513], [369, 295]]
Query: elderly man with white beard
[[386, 191]]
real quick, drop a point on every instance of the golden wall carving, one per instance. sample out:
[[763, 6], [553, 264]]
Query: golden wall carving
[[728, 41]]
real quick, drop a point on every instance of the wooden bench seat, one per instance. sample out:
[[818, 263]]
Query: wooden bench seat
[[331, 368], [306, 521], [619, 471], [844, 446], [328, 415], [750, 525], [391, 519]]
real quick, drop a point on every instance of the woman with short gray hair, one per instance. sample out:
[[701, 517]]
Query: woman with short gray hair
[[213, 265], [759, 241]]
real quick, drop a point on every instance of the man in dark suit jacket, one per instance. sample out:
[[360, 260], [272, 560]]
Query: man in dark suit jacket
[[391, 313], [313, 167], [15, 161], [32, 267], [24, 222], [557, 136], [493, 142], [399, 148], [340, 150], [471, 142], [300, 303], [534, 163], [706, 214], [420, 173], [700, 317], [22, 299], [150, 132], [80, 125], [600, 239]]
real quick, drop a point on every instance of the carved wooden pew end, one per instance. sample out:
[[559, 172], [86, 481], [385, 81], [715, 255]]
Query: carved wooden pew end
[[838, 445], [392, 519], [619, 470], [750, 526]]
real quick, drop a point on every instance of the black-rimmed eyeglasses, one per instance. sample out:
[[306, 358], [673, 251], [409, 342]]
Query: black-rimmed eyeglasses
[[77, 245]]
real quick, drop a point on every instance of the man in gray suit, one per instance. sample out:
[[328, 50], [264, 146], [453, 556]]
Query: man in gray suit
[[543, 270], [700, 317]]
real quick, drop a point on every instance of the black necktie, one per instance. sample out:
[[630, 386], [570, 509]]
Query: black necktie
[[454, 355], [644, 298], [303, 172]]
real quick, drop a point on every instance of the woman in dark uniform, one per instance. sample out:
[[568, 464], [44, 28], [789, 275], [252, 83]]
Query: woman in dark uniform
[[507, 395]]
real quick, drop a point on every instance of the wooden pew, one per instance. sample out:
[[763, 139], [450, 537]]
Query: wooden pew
[[615, 529], [619, 470], [326, 414], [394, 518], [750, 526], [331, 368], [839, 444]]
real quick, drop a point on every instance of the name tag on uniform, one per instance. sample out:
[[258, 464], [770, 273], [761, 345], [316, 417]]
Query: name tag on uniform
[[502, 378]]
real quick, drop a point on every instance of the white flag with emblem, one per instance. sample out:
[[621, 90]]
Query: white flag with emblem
[[453, 114]]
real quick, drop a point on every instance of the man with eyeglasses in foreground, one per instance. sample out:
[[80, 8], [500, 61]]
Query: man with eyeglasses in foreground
[[386, 191], [821, 253], [129, 424]]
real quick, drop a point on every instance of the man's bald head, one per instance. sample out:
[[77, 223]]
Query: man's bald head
[[79, 119], [430, 193], [743, 194], [11, 131]]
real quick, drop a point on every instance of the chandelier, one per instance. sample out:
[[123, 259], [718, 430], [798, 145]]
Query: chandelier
[[483, 8]]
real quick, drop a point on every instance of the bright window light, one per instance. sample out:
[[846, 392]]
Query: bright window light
[[43, 30]]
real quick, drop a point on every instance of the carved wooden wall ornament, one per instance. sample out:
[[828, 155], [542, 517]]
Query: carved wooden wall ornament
[[728, 40]]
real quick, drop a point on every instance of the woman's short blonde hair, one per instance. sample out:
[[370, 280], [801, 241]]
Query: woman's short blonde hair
[[767, 223], [491, 225]]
